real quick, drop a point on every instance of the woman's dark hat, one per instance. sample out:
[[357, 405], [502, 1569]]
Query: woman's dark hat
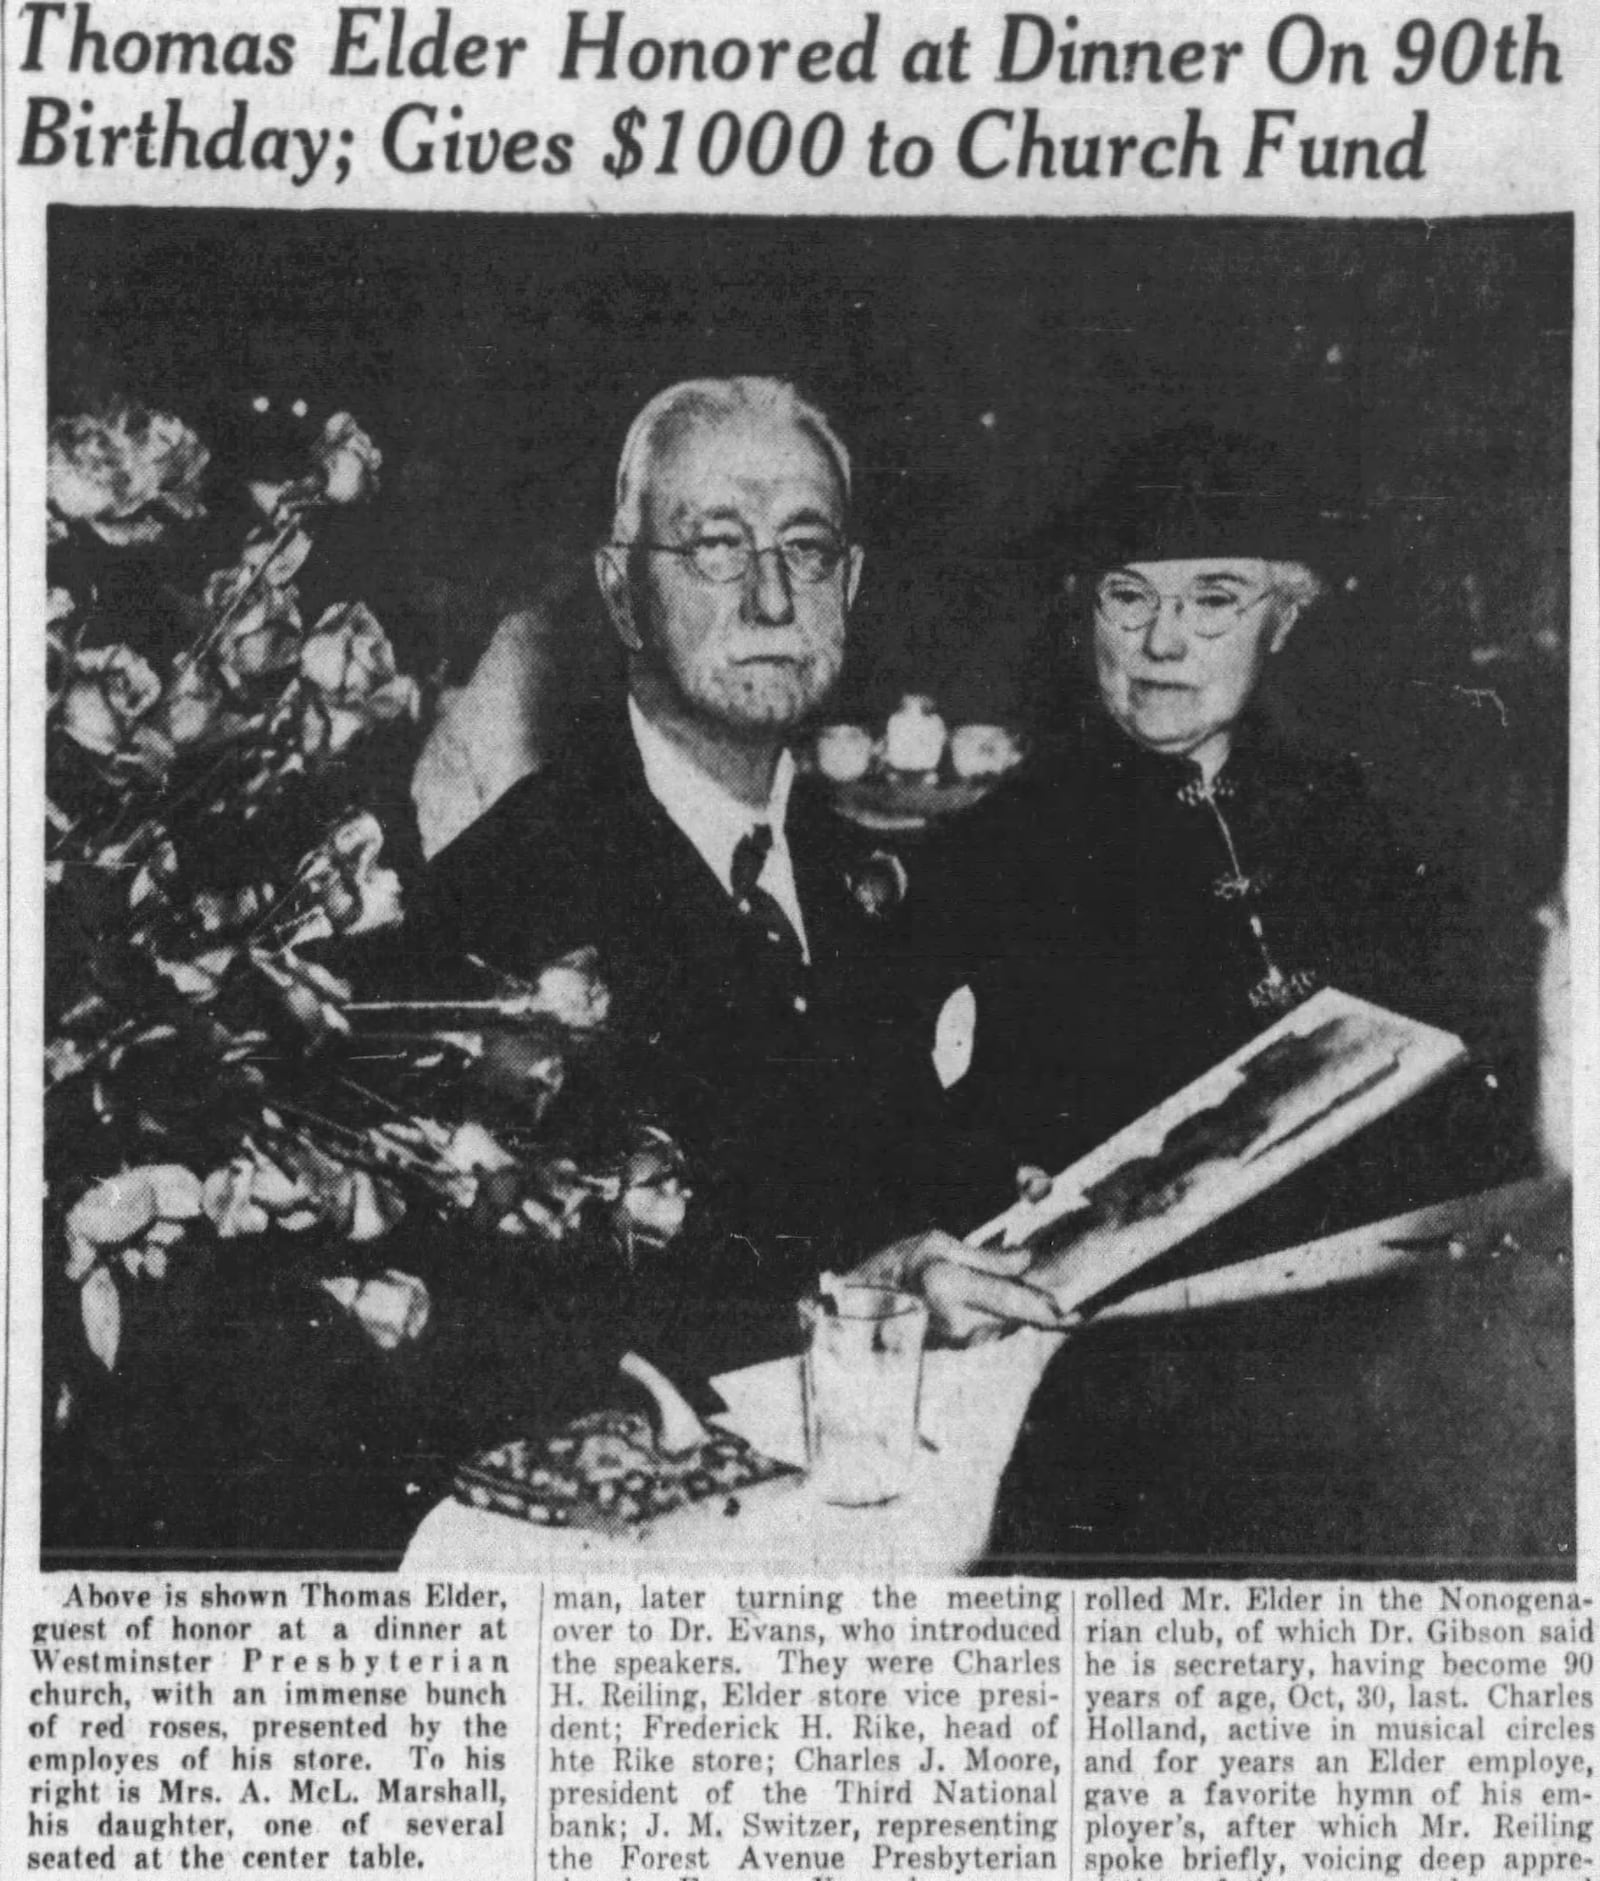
[[1194, 492]]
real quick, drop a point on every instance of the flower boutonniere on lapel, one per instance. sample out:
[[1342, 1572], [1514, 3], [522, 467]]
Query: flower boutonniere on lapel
[[878, 883]]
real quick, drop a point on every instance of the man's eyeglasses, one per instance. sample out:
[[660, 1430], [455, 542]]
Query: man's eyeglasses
[[724, 559], [1211, 608]]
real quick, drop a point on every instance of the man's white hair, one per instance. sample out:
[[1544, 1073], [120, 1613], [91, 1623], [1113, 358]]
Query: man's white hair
[[671, 415]]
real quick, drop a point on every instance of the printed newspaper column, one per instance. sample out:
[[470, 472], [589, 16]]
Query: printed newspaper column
[[226, 1725], [737, 1728], [1275, 1727]]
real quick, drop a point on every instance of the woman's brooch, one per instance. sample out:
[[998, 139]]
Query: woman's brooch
[[1197, 791]]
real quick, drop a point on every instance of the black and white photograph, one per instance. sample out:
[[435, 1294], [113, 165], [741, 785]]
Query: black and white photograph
[[808, 894]]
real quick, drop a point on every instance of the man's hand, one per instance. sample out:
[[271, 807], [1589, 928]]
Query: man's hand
[[1033, 1183], [972, 1293]]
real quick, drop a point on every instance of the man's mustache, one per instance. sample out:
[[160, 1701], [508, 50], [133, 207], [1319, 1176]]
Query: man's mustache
[[770, 643]]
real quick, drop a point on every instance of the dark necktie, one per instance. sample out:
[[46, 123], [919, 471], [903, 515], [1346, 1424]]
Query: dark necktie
[[764, 910]]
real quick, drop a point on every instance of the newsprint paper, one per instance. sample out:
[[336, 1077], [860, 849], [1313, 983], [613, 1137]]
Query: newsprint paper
[[662, 657]]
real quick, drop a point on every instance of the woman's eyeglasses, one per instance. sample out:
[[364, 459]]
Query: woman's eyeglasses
[[1210, 608]]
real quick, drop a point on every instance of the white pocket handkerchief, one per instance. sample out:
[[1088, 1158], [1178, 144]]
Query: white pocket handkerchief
[[953, 1036]]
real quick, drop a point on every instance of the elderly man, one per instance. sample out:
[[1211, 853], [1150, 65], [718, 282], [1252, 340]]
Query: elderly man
[[760, 989], [759, 1010]]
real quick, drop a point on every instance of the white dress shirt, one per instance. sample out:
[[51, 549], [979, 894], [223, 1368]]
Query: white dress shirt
[[715, 821]]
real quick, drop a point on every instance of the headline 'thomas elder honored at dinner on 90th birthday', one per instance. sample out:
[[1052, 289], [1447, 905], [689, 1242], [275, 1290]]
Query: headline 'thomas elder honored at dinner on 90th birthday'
[[1050, 63]]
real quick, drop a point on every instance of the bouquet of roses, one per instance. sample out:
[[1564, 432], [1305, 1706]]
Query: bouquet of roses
[[213, 877]]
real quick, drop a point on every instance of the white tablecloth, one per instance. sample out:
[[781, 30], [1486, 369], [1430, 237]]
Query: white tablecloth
[[973, 1403]]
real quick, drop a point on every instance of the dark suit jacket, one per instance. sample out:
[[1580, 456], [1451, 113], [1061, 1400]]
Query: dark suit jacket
[[812, 1136], [266, 1429], [1095, 907], [1118, 949]]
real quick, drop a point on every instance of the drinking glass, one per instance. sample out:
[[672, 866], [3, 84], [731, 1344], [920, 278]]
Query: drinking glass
[[861, 1381]]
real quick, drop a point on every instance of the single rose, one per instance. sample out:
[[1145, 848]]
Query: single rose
[[252, 1193], [86, 479], [469, 1153], [473, 1152], [111, 689], [349, 459], [126, 474], [136, 1219], [653, 1212], [192, 706], [392, 1308], [571, 991], [263, 633], [352, 894], [471, 1148], [349, 668], [374, 893], [654, 1202]]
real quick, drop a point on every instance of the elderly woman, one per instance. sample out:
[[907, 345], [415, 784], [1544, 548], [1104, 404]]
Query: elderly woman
[[1181, 873], [1180, 876]]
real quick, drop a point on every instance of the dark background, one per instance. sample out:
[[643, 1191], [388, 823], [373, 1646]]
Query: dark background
[[983, 373]]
